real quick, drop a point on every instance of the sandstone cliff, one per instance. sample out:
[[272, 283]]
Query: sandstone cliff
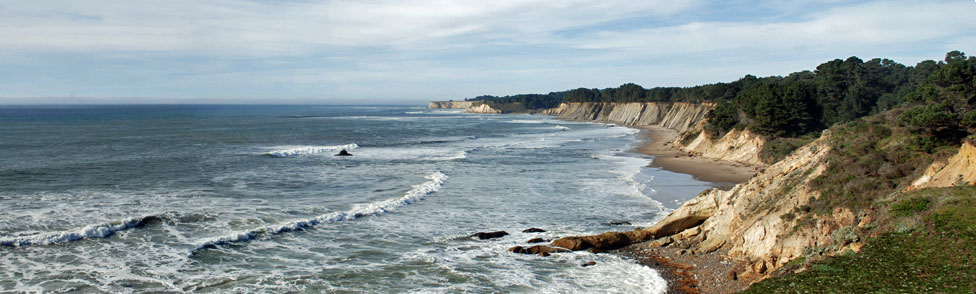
[[738, 146], [451, 104], [688, 118], [748, 223], [482, 108], [960, 169], [680, 116], [468, 106]]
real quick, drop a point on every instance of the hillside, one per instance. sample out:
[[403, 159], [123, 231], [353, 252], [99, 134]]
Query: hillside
[[859, 161]]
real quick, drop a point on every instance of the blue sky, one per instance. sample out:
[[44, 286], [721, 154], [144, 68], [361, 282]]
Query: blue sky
[[408, 52]]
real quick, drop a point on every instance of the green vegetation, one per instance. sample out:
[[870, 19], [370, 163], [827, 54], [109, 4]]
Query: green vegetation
[[939, 97], [910, 206], [522, 102], [779, 147], [935, 253], [887, 123]]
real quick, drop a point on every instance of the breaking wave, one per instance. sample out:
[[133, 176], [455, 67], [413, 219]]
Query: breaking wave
[[415, 194], [102, 230], [309, 150]]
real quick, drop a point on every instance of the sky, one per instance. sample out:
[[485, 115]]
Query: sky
[[409, 52]]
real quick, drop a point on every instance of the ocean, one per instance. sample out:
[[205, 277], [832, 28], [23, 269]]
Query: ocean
[[225, 198]]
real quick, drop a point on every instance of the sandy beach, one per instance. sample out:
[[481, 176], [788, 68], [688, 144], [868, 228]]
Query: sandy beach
[[723, 173], [688, 272]]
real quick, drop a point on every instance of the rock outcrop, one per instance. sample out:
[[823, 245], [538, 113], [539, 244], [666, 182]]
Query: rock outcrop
[[489, 235], [960, 169], [688, 118], [737, 145], [746, 222], [451, 104], [680, 116], [482, 108], [468, 106]]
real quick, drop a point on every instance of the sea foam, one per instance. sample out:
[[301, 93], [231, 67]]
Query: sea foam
[[102, 230], [309, 150], [415, 194]]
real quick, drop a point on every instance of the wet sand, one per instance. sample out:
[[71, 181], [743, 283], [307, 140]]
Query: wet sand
[[723, 173]]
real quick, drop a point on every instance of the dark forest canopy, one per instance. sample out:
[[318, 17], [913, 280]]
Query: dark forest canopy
[[939, 97]]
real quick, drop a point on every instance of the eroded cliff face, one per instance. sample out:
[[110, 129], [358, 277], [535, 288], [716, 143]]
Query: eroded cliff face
[[687, 118], [738, 146], [753, 222], [680, 116], [959, 169], [451, 104], [748, 221], [468, 106], [481, 108]]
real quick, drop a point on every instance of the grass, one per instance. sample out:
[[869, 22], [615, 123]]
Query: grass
[[937, 255], [778, 148], [870, 160]]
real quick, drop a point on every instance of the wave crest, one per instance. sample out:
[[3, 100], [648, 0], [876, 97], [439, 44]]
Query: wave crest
[[309, 150], [102, 230], [416, 193]]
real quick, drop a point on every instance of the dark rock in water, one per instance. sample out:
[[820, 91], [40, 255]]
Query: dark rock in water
[[534, 230], [343, 153], [536, 240], [537, 249], [544, 254], [591, 263], [620, 223], [490, 235], [601, 242]]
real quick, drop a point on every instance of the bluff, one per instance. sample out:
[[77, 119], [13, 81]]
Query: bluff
[[451, 104], [468, 106], [687, 118]]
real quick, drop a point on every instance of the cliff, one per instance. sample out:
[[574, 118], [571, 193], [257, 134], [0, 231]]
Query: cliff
[[482, 108], [960, 169], [451, 104], [738, 146], [680, 116], [688, 118], [748, 223], [468, 106]]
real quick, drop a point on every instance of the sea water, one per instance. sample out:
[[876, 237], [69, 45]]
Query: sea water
[[119, 199]]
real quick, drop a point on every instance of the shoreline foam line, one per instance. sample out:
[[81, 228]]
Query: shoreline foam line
[[309, 150], [103, 230], [415, 194]]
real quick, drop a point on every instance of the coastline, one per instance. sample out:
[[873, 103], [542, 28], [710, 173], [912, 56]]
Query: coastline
[[689, 272], [657, 143]]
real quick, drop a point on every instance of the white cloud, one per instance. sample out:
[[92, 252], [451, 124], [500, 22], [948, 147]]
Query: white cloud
[[247, 27], [443, 49], [875, 24]]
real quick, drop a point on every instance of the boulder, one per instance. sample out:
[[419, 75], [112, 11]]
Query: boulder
[[589, 263], [534, 230], [537, 249], [535, 240], [601, 242], [490, 235], [343, 153]]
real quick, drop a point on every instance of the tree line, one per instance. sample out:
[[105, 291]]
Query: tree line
[[937, 97]]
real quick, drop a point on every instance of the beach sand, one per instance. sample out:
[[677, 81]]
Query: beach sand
[[724, 174], [688, 272]]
